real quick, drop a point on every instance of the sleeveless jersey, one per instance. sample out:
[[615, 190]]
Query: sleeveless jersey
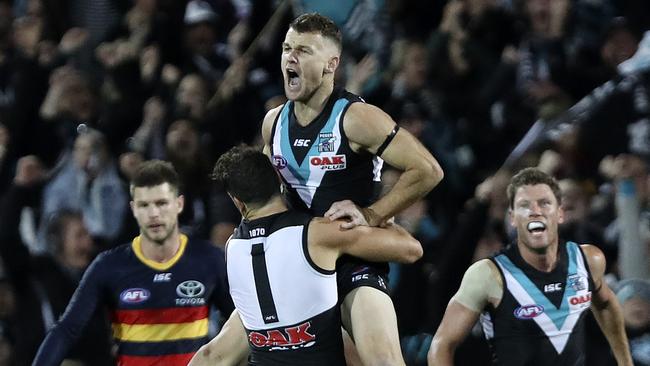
[[540, 319], [287, 304], [316, 162]]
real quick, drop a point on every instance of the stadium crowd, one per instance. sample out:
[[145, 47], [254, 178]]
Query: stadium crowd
[[90, 89]]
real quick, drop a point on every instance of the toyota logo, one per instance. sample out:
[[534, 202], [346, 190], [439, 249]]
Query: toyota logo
[[190, 288]]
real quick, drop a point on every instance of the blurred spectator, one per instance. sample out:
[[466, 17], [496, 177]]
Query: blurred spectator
[[45, 282], [630, 175], [634, 296], [6, 347], [88, 181], [202, 54], [188, 156]]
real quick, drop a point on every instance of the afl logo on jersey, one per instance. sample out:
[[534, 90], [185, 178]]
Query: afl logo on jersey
[[528, 311], [134, 295], [279, 161]]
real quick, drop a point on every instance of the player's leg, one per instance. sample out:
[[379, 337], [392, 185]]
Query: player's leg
[[369, 315]]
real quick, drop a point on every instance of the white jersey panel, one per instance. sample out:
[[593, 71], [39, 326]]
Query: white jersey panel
[[299, 291]]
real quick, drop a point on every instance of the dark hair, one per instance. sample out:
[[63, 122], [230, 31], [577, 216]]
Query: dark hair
[[55, 228], [316, 23], [247, 174], [155, 172], [531, 177]]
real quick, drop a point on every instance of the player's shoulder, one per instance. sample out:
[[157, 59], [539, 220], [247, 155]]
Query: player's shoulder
[[117, 253], [201, 247], [483, 268], [272, 114], [595, 257]]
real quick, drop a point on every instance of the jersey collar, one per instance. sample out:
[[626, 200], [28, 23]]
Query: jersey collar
[[160, 266]]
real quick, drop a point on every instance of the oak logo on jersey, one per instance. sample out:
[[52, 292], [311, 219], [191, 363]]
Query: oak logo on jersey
[[333, 162], [284, 339], [326, 142], [581, 300], [279, 161], [528, 311], [134, 295], [190, 292]]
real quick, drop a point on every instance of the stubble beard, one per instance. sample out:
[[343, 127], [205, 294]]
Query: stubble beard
[[160, 241]]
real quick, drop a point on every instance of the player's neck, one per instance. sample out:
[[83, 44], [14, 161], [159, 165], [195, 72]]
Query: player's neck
[[274, 206], [161, 252], [307, 111], [542, 261]]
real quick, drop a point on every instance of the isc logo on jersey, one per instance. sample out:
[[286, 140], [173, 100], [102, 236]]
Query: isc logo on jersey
[[528, 311], [333, 162], [134, 295]]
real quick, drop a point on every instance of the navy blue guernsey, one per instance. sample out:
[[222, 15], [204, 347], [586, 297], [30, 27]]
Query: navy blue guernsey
[[287, 303], [159, 311], [316, 163], [540, 319]]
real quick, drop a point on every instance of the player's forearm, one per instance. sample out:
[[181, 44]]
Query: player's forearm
[[610, 319], [53, 349], [440, 354], [412, 185], [229, 347]]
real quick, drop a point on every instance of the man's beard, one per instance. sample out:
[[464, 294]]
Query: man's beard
[[165, 237]]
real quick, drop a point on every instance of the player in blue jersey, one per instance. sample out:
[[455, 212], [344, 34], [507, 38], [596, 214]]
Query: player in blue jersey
[[281, 269], [329, 147], [157, 289], [532, 297]]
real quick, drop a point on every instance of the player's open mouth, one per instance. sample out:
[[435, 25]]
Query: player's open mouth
[[293, 79], [536, 227]]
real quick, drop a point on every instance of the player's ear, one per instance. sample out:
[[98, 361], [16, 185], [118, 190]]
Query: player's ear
[[511, 217], [332, 64], [181, 203]]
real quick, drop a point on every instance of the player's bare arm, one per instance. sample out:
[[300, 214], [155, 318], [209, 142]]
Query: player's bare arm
[[367, 128], [481, 285], [228, 348], [327, 242], [606, 308]]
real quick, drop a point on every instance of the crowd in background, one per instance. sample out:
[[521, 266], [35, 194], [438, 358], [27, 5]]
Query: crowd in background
[[89, 89]]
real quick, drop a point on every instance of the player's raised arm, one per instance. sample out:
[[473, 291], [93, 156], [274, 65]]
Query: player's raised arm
[[606, 308], [370, 129], [67, 330]]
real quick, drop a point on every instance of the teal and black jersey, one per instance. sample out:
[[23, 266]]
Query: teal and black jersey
[[540, 319], [316, 162]]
